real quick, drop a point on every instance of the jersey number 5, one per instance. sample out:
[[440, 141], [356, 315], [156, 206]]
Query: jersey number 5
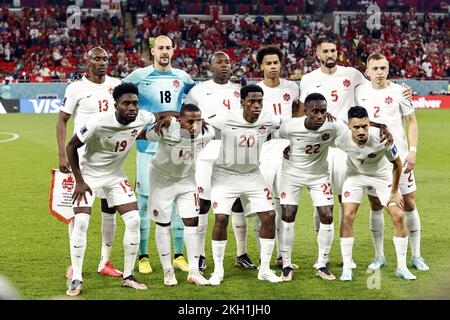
[[334, 95]]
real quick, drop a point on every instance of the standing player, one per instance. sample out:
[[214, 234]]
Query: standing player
[[279, 98], [161, 89], [368, 165], [213, 96], [99, 173], [385, 104], [236, 175], [337, 84], [87, 98], [173, 181], [307, 166]]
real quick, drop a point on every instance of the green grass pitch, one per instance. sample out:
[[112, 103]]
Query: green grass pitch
[[34, 247]]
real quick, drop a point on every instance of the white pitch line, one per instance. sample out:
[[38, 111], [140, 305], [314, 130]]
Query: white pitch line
[[15, 136]]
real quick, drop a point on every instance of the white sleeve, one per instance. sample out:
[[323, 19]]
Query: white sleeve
[[358, 78], [147, 117], [218, 120], [303, 91], [391, 153], [88, 130], [406, 106], [151, 135], [71, 99], [357, 95], [284, 130], [295, 91], [192, 97]]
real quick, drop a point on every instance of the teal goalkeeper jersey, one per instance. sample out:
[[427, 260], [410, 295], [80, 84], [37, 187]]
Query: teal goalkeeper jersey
[[159, 92]]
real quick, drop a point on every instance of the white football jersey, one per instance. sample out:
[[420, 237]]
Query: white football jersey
[[176, 155], [309, 148], [241, 140], [371, 159], [338, 88], [387, 106], [211, 98], [278, 101], [107, 144], [85, 99]]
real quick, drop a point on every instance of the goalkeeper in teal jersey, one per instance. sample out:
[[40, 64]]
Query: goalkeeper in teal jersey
[[161, 89]]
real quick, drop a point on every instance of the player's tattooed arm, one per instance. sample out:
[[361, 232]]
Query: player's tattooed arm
[[385, 134], [407, 92], [81, 187]]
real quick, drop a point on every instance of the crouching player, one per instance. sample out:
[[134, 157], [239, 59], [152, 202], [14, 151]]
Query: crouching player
[[172, 179], [368, 166], [99, 173]]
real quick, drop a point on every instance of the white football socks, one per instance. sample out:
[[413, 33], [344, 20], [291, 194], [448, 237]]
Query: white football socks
[[347, 251], [239, 224], [218, 250], [202, 227], [191, 241], [287, 234], [267, 246], [163, 245], [131, 239], [325, 237], [413, 225], [78, 242], [376, 222], [108, 231], [401, 247]]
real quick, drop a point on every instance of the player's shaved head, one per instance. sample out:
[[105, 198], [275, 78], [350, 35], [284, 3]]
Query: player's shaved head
[[218, 55], [95, 51], [162, 38]]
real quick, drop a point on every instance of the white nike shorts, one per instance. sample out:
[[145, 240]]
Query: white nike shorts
[[319, 188], [337, 167], [355, 186], [164, 192], [118, 193], [251, 188]]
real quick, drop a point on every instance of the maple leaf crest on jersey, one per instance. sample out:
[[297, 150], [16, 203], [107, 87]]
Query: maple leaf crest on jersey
[[134, 133], [346, 194], [325, 136], [262, 130], [346, 83], [286, 97], [68, 183], [388, 100], [283, 195], [176, 84], [155, 212], [237, 94], [110, 90]]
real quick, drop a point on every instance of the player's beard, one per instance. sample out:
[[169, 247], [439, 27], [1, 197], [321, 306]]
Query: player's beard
[[328, 64], [163, 64]]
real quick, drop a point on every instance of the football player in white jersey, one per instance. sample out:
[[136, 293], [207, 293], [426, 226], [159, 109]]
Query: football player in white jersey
[[337, 84], [99, 173], [236, 175], [212, 96], [306, 166], [173, 181], [385, 104], [279, 98], [368, 164], [84, 99]]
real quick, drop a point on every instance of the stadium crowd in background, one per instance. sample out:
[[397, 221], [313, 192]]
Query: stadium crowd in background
[[45, 50]]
